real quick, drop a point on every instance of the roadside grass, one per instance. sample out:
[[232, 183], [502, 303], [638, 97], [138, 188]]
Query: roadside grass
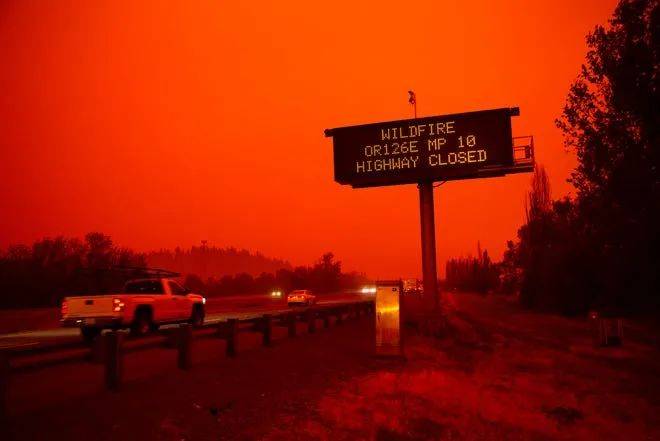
[[500, 373]]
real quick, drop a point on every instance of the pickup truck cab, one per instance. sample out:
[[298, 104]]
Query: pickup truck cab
[[143, 306]]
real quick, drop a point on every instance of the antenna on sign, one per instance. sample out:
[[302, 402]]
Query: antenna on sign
[[412, 99]]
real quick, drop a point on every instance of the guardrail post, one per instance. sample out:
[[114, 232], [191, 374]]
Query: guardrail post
[[291, 324], [4, 390], [311, 321], [185, 346], [230, 336], [113, 360], [267, 328]]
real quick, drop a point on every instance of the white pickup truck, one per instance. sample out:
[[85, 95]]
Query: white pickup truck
[[143, 305]]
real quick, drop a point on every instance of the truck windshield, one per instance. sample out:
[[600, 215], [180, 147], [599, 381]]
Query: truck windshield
[[144, 287]]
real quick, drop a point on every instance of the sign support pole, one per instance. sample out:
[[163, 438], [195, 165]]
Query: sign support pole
[[431, 298]]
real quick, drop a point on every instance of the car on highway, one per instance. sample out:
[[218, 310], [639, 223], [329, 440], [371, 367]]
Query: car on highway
[[276, 294], [370, 289], [302, 297], [142, 306]]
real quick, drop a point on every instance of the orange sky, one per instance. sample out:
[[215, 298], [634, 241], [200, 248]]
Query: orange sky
[[165, 125]]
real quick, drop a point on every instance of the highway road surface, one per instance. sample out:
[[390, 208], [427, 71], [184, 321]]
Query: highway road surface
[[217, 309]]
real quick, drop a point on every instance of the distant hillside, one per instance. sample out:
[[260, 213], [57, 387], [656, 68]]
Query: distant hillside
[[208, 262]]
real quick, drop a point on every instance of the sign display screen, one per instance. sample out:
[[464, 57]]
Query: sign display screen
[[435, 148]]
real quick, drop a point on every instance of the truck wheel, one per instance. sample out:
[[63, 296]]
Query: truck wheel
[[197, 318], [89, 333], [142, 323]]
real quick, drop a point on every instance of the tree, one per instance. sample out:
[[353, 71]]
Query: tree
[[99, 250], [535, 237], [194, 283], [612, 120], [510, 272], [40, 275], [538, 201], [611, 117], [472, 273], [325, 274]]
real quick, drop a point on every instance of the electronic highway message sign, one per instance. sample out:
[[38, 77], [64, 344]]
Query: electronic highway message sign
[[435, 148]]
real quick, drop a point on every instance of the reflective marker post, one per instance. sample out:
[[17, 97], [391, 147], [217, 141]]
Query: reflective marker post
[[389, 342], [429, 269]]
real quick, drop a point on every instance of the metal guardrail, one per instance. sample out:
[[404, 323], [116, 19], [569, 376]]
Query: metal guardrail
[[109, 348]]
